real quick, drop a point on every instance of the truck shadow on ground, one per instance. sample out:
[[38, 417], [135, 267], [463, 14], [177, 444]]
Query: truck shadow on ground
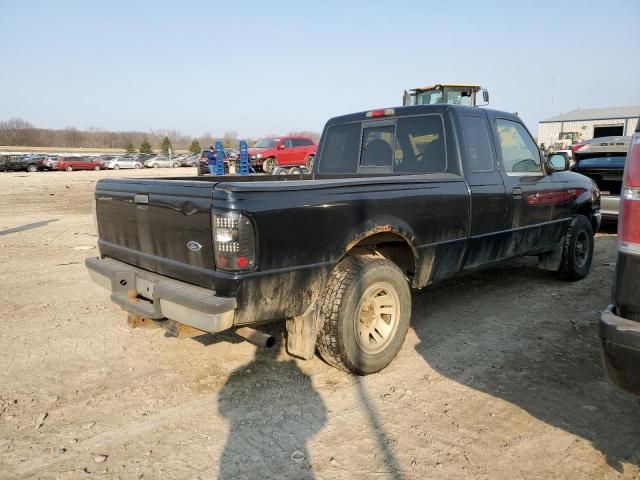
[[27, 226], [269, 423], [521, 335]]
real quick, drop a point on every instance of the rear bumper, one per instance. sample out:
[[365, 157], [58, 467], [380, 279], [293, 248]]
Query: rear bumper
[[155, 296], [620, 342], [609, 207]]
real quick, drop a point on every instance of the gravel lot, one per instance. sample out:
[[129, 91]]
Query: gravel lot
[[500, 376]]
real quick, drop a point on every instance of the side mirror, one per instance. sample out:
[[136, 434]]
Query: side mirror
[[282, 146], [557, 163], [485, 97]]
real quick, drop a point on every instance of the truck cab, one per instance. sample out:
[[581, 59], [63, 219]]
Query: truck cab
[[445, 93]]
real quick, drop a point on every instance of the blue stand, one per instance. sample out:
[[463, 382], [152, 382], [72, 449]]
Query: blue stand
[[219, 168], [244, 158]]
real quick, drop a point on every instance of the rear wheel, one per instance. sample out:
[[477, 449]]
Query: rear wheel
[[309, 162], [97, 167], [69, 168], [155, 165], [577, 251], [135, 165], [365, 310], [175, 165], [32, 168], [269, 164], [116, 167]]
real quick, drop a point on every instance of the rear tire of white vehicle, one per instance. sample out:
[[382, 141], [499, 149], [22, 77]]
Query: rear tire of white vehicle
[[175, 165], [577, 251], [364, 315], [155, 165], [69, 168], [269, 165], [137, 165], [117, 167]]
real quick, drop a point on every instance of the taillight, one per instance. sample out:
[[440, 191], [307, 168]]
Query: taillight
[[576, 147], [629, 219], [233, 241]]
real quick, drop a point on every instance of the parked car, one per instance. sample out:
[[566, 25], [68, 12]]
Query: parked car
[[231, 153], [395, 200], [269, 153], [50, 162], [161, 161], [79, 163], [122, 162], [602, 160], [189, 161], [28, 163], [620, 322]]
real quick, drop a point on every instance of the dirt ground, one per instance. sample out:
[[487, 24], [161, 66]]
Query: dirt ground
[[500, 376]]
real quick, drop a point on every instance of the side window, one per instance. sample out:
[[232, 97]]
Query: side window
[[340, 149], [520, 154], [287, 143], [477, 144], [420, 146], [297, 142], [377, 146]]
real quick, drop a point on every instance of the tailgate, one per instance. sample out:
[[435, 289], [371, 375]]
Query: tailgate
[[163, 226]]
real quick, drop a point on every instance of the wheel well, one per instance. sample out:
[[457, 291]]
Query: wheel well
[[390, 245], [584, 209]]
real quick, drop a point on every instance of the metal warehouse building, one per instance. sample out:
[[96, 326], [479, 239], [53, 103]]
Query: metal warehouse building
[[589, 123]]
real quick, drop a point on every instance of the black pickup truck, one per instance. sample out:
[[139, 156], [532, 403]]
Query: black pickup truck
[[398, 198]]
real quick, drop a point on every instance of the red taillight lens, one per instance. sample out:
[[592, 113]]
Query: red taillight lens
[[629, 219], [576, 147], [380, 113]]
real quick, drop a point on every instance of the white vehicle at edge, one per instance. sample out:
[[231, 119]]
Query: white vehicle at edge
[[118, 163]]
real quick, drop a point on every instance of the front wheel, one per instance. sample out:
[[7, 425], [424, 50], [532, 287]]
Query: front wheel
[[136, 165], [269, 165], [175, 165], [69, 168], [116, 167], [577, 251], [96, 168], [365, 310], [155, 165], [32, 168]]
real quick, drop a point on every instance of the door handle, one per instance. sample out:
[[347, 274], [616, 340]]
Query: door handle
[[516, 192]]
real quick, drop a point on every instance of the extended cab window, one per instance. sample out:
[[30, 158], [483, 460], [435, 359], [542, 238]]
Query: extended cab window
[[520, 154], [476, 140], [340, 149], [419, 146]]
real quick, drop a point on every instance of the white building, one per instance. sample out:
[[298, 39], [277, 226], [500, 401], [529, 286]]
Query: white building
[[589, 123]]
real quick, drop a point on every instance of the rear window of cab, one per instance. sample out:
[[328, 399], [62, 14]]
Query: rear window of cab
[[404, 145]]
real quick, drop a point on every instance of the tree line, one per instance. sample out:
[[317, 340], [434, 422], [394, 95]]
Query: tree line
[[18, 132]]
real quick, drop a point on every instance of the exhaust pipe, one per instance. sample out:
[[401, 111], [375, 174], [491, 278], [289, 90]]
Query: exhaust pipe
[[256, 337]]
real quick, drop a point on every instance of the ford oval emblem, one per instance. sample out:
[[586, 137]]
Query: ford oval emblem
[[194, 246]]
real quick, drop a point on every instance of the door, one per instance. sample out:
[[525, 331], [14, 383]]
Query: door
[[537, 209], [286, 154], [299, 151], [487, 236]]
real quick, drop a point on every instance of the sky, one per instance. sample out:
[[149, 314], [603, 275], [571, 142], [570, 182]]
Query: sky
[[261, 68]]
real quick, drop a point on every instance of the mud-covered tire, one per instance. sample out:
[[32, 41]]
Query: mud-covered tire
[[577, 251], [340, 305]]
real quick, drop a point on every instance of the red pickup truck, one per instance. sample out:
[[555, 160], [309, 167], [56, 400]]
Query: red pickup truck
[[269, 153]]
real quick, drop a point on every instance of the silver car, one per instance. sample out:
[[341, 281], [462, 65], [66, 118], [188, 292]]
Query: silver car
[[122, 162], [165, 162], [602, 159]]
